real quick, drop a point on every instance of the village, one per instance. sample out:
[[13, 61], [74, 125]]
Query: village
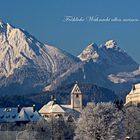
[[29, 116], [51, 109]]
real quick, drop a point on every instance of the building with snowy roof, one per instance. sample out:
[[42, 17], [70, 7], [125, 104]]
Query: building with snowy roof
[[20, 115], [28, 114], [134, 96], [53, 109], [8, 114]]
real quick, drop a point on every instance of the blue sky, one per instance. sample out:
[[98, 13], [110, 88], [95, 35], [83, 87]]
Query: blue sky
[[44, 20]]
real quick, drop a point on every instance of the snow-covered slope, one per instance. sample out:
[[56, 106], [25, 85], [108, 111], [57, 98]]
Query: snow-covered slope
[[124, 77], [18, 48], [61, 59], [27, 65]]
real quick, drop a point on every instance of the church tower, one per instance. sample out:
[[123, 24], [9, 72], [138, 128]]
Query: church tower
[[76, 98]]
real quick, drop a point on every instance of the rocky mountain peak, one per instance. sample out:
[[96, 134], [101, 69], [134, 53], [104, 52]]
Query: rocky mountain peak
[[109, 56], [111, 44], [89, 52]]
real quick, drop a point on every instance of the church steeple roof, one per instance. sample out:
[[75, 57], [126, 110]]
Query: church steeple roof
[[76, 88]]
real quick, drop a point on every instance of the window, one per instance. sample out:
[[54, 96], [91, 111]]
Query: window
[[2, 116], [59, 116], [14, 116], [46, 116], [77, 96], [77, 90], [31, 116]]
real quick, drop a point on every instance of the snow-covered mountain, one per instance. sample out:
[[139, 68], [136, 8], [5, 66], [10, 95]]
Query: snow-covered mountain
[[29, 66], [105, 65], [26, 64], [109, 56]]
